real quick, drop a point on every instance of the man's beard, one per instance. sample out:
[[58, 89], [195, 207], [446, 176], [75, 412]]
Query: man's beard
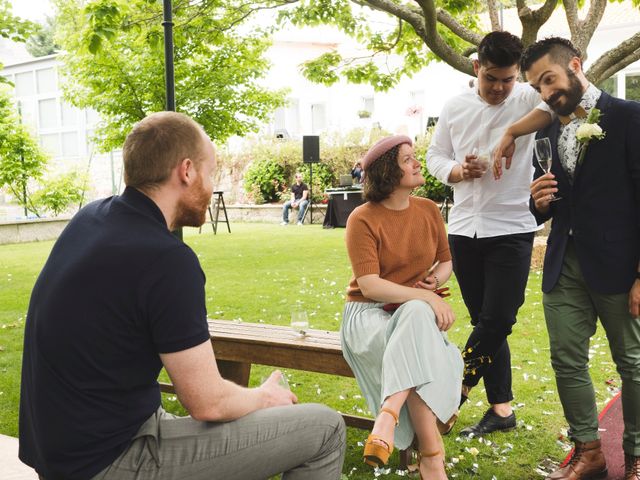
[[192, 210], [573, 95]]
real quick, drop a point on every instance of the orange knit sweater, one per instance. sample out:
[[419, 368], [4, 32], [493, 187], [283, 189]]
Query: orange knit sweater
[[398, 245]]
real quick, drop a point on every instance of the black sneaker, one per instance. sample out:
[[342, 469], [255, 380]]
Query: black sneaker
[[490, 422]]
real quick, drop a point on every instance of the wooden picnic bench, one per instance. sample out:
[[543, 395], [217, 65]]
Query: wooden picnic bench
[[238, 345]]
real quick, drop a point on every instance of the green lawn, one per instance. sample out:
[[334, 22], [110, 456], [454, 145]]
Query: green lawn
[[259, 271]]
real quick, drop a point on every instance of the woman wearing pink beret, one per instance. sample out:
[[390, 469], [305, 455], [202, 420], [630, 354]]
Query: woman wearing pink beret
[[394, 334]]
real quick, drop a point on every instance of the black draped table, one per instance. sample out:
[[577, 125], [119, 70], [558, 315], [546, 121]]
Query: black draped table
[[342, 201]]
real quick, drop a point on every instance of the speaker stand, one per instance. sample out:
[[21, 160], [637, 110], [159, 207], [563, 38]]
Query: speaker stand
[[311, 193]]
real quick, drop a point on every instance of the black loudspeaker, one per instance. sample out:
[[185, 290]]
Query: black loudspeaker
[[311, 149]]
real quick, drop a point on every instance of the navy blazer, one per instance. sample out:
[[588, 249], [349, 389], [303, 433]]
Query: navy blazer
[[602, 206]]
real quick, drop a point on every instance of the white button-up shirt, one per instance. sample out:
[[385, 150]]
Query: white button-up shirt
[[485, 207]]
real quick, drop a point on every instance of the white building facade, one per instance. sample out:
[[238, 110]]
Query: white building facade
[[63, 131]]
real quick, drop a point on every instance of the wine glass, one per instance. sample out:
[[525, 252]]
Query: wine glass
[[299, 321], [544, 155]]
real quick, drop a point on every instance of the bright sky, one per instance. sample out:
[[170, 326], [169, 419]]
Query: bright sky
[[35, 10]]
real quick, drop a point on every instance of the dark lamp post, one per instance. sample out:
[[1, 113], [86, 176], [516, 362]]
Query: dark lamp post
[[167, 23], [169, 81]]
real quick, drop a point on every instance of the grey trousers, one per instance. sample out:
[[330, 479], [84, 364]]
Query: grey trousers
[[304, 441]]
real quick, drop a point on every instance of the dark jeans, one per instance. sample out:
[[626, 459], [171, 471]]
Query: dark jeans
[[492, 274]]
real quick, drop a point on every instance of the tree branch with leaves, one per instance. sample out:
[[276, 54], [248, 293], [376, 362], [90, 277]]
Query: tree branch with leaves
[[115, 64], [444, 30]]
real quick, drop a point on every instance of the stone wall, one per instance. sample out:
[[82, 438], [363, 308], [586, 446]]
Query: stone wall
[[268, 213], [36, 230], [32, 230]]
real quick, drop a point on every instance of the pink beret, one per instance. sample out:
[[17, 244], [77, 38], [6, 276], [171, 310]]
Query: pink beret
[[383, 146]]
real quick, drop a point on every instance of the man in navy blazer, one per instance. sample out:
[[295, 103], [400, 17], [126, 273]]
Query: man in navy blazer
[[591, 264]]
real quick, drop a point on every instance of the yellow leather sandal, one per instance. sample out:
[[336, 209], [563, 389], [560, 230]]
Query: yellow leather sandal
[[376, 454]]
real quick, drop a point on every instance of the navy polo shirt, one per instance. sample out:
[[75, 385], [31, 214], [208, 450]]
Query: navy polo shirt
[[117, 290]]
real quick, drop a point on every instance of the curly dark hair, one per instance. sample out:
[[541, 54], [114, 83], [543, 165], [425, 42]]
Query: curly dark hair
[[500, 48], [382, 176], [559, 49]]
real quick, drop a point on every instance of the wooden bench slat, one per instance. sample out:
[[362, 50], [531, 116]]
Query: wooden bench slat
[[273, 334], [226, 326], [307, 342]]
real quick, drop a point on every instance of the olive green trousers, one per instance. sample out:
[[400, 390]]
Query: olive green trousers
[[571, 312]]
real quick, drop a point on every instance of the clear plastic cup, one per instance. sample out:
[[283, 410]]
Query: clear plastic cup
[[299, 322]]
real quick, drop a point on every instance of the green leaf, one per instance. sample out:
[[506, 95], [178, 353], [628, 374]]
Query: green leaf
[[94, 43]]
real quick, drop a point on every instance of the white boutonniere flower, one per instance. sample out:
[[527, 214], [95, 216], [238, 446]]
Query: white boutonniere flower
[[589, 130]]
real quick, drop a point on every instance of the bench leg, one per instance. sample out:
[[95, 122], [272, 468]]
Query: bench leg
[[235, 371], [405, 458]]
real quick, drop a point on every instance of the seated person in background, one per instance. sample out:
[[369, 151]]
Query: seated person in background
[[406, 368], [356, 172], [299, 199], [119, 298]]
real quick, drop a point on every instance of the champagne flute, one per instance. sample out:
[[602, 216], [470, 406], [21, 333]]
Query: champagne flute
[[544, 156]]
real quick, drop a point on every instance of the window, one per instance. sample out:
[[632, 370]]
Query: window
[[24, 84], [70, 144], [632, 87], [48, 113], [92, 117], [610, 85], [368, 104], [46, 80], [293, 116], [318, 118], [69, 115], [27, 112], [51, 144], [279, 118]]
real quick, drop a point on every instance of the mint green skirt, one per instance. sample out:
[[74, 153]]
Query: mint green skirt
[[389, 353]]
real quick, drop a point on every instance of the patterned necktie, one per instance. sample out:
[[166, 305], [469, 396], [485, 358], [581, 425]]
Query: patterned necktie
[[579, 112]]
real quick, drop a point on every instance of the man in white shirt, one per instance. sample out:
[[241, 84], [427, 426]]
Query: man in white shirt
[[490, 226]]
